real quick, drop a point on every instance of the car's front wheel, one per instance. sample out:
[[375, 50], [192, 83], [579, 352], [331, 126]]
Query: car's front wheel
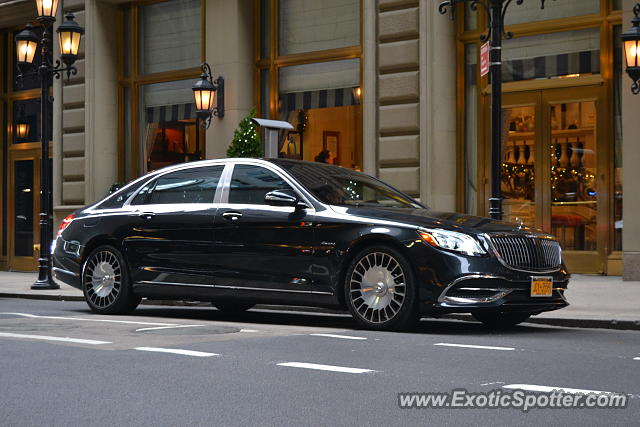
[[498, 320], [380, 289], [105, 282]]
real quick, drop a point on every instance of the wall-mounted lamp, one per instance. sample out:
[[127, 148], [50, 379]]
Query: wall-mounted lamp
[[207, 93], [631, 46]]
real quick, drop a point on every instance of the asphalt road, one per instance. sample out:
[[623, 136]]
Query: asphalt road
[[61, 365]]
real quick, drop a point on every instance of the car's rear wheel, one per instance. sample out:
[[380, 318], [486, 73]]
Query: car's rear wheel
[[380, 289], [232, 307], [497, 320], [105, 282]]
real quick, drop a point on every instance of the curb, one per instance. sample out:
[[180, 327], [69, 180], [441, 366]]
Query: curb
[[626, 325]]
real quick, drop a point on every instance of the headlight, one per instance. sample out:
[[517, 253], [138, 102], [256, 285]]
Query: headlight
[[453, 241]]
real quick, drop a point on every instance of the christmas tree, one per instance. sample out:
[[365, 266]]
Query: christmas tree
[[246, 141]]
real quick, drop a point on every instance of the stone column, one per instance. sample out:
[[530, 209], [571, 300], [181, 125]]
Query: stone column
[[229, 50], [630, 174]]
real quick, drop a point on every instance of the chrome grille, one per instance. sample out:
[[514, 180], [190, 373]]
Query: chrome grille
[[528, 253]]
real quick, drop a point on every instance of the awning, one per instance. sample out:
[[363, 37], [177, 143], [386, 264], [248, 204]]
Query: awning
[[170, 113]]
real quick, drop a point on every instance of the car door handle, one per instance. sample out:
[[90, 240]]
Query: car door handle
[[146, 215], [232, 216]]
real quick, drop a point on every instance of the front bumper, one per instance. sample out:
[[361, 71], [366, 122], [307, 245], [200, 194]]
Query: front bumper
[[454, 283], [472, 293]]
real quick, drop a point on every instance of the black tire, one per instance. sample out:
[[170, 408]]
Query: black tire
[[497, 320], [105, 282], [396, 290], [232, 307]]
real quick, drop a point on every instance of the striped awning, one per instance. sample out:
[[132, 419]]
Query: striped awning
[[170, 113], [540, 67], [325, 98]]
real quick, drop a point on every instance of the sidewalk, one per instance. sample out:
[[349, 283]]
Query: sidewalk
[[596, 301]]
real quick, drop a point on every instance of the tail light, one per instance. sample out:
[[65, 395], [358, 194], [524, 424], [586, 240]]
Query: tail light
[[65, 223]]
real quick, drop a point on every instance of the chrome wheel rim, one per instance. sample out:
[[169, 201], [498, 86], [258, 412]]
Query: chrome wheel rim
[[103, 278], [377, 287]]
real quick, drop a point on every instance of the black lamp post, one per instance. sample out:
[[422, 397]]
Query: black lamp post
[[496, 10], [207, 93], [631, 45], [69, 35]]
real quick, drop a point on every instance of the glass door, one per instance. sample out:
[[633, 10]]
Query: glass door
[[521, 150], [24, 204], [554, 170], [577, 194]]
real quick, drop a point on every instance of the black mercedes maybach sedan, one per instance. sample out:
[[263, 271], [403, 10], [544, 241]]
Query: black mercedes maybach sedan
[[240, 232]]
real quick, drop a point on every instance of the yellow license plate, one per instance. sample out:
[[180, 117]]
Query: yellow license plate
[[541, 286]]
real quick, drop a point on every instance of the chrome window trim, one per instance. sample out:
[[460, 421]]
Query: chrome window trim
[[158, 174]]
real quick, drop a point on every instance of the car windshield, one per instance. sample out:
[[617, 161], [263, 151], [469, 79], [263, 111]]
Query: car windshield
[[344, 187]]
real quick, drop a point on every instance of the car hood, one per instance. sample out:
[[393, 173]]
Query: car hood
[[435, 219]]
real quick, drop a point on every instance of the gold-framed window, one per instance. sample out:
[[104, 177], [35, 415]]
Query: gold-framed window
[[161, 46], [308, 72]]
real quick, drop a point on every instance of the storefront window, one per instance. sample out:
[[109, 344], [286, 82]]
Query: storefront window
[[168, 132], [322, 102], [530, 11], [169, 36], [565, 54], [309, 26], [471, 129]]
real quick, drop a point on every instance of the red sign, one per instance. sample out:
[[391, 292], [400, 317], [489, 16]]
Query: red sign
[[484, 59]]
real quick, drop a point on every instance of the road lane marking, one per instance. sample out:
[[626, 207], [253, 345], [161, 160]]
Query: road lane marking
[[636, 358], [155, 328], [325, 367], [248, 330], [344, 337], [129, 322], [484, 347], [177, 351], [548, 389], [49, 338]]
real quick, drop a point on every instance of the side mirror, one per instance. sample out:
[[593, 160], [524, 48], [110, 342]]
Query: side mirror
[[281, 198]]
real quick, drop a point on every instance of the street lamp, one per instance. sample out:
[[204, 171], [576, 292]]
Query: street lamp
[[496, 10], [47, 10], [207, 93], [69, 35], [631, 45]]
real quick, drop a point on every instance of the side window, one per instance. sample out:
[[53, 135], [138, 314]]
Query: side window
[[249, 184], [116, 200], [197, 185]]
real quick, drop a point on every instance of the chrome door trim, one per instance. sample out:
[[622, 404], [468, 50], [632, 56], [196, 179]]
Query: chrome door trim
[[235, 288]]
